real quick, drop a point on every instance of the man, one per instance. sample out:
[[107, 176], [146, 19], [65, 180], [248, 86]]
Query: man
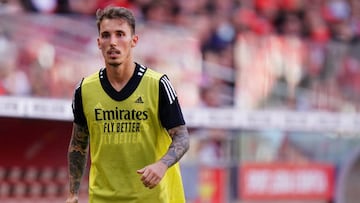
[[130, 118]]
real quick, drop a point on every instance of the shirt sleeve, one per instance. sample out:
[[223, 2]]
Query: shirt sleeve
[[169, 108], [77, 107]]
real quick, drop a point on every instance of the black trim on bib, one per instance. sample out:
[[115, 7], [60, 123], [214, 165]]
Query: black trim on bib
[[128, 89]]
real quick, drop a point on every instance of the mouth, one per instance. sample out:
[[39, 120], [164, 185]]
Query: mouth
[[113, 53]]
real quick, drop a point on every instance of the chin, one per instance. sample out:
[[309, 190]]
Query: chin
[[114, 64]]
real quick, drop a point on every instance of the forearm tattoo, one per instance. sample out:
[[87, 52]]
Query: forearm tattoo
[[178, 146], [77, 156]]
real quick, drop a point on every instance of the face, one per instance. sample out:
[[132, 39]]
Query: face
[[116, 41]]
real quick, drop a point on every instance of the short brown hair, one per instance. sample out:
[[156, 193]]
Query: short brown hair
[[112, 12]]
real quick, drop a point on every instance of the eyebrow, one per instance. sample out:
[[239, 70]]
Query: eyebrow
[[116, 31]]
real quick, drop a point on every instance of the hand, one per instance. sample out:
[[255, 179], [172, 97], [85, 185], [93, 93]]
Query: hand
[[72, 199], [152, 174]]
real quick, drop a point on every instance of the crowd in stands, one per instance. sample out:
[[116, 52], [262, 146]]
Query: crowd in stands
[[255, 54], [292, 54]]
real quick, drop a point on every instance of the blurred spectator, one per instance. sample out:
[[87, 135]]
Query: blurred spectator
[[41, 6], [317, 35], [40, 88], [290, 48], [343, 38], [293, 51], [212, 146], [355, 16], [267, 9], [10, 6], [212, 94], [83, 7], [257, 53], [123, 3], [13, 81], [180, 58], [223, 35], [158, 11], [210, 151]]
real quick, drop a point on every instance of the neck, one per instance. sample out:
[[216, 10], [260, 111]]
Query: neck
[[119, 76]]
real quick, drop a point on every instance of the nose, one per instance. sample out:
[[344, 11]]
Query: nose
[[113, 40]]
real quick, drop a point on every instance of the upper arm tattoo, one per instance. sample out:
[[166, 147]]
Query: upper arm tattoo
[[77, 156], [178, 146]]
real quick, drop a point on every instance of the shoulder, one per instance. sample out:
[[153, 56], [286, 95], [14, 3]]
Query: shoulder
[[93, 77], [150, 73]]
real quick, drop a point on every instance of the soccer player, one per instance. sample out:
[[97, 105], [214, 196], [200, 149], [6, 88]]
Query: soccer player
[[129, 118]]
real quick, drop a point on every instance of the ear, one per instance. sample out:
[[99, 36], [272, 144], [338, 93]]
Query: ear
[[134, 40], [98, 42]]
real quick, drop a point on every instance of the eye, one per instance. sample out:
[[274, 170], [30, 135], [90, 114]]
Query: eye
[[120, 34], [105, 35]]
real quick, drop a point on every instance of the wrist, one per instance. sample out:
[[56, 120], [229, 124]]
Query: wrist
[[164, 163], [73, 193]]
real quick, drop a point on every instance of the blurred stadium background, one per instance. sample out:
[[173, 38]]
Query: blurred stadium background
[[270, 91]]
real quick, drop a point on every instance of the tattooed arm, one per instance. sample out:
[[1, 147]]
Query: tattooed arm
[[170, 115], [178, 147], [77, 158], [152, 174]]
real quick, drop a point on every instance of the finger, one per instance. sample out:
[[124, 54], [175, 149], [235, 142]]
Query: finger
[[140, 171], [148, 180], [145, 175], [154, 183], [152, 179]]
